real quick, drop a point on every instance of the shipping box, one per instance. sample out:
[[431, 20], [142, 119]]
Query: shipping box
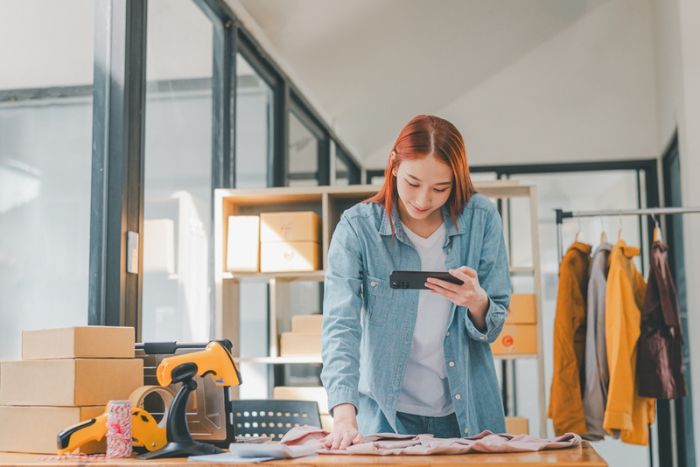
[[517, 426], [79, 342], [522, 309], [34, 429], [243, 245], [289, 256], [292, 226], [307, 324], [68, 383], [516, 339], [300, 345]]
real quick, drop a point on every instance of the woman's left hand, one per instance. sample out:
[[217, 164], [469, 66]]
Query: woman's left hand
[[469, 295]]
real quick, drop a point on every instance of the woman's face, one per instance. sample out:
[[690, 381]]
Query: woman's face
[[423, 185]]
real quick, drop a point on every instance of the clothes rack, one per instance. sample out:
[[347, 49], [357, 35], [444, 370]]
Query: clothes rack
[[562, 215]]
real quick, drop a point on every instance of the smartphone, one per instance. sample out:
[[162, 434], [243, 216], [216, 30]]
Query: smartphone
[[417, 279]]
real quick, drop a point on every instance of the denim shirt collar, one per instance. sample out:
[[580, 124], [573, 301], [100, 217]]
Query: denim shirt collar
[[385, 227]]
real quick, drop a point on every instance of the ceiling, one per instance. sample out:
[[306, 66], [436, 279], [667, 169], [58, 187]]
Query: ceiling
[[371, 65]]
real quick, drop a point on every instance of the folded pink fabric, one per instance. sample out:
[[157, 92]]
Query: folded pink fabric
[[386, 444]]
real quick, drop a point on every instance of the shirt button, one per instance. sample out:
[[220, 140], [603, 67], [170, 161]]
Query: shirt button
[[373, 284], [458, 397], [448, 333], [483, 338], [466, 431], [451, 363]]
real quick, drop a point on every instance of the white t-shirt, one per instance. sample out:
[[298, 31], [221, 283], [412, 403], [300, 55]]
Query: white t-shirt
[[425, 389]]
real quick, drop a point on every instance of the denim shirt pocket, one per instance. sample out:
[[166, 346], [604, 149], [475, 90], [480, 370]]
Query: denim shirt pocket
[[378, 297]]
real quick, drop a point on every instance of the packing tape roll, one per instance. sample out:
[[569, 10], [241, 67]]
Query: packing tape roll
[[138, 399]]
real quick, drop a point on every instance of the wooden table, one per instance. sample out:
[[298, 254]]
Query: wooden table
[[584, 456]]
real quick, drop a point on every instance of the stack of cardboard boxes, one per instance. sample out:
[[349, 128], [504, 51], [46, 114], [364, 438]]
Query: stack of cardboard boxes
[[274, 242], [519, 335], [65, 376], [305, 338]]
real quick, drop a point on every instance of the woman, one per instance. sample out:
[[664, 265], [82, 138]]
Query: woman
[[416, 361]]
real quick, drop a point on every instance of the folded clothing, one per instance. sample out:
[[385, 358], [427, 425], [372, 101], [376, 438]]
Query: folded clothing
[[386, 444]]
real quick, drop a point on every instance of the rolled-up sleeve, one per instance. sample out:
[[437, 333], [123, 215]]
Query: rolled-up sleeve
[[342, 305], [494, 278]]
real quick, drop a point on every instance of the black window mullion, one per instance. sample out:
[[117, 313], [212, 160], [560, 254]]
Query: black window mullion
[[354, 171], [223, 93], [117, 161], [323, 158], [278, 165]]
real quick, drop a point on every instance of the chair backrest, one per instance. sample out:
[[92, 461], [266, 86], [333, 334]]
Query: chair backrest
[[273, 418]]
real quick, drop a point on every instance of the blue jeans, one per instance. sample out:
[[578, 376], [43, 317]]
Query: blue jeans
[[440, 427]]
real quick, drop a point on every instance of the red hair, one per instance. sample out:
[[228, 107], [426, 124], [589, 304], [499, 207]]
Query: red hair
[[428, 135]]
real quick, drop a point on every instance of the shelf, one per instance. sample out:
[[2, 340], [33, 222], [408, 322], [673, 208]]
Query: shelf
[[317, 359], [329, 202], [264, 276], [320, 275], [280, 360]]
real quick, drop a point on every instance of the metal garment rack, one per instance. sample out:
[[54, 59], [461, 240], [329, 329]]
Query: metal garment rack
[[562, 215]]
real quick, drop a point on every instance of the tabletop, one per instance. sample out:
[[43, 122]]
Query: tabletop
[[581, 456]]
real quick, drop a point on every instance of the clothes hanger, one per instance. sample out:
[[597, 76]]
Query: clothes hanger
[[578, 232], [603, 235], [657, 237], [619, 230]]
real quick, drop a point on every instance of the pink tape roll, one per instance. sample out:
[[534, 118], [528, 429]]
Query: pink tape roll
[[119, 429]]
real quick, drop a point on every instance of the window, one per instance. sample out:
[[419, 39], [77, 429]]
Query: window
[[253, 126], [303, 152], [177, 303], [45, 160]]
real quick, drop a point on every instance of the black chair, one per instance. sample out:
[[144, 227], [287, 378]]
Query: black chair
[[272, 418]]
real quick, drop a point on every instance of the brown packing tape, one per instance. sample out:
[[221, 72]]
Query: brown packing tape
[[138, 399]]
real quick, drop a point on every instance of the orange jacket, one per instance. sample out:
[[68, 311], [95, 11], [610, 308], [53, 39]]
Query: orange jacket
[[566, 402], [626, 412]]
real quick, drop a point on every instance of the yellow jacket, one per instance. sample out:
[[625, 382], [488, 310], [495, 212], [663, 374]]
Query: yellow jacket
[[626, 412], [566, 402]]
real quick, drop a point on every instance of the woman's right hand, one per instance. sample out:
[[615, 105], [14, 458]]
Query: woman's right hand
[[345, 430]]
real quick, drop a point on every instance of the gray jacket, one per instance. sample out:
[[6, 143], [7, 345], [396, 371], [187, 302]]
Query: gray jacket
[[597, 377]]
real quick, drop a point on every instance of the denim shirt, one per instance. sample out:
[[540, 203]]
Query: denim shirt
[[368, 326]]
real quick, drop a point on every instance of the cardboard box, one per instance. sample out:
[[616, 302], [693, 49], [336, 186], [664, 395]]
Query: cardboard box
[[78, 342], [522, 310], [243, 245], [307, 324], [294, 344], [517, 426], [298, 393], [516, 339], [327, 422], [68, 383], [293, 256], [293, 226], [34, 429]]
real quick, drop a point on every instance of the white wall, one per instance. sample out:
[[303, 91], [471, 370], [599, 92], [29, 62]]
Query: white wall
[[36, 61], [678, 64], [586, 93]]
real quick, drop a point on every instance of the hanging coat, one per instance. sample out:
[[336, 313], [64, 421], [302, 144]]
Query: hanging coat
[[660, 350], [596, 388], [566, 402], [626, 412]]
